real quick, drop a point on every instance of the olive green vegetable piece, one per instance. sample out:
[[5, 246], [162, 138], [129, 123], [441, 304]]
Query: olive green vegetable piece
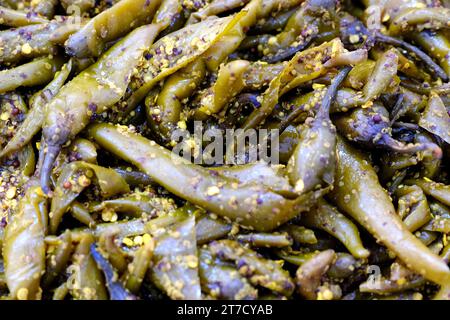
[[24, 247], [413, 207], [258, 270], [435, 118], [74, 178], [274, 22], [167, 13], [115, 288], [439, 224], [82, 214], [91, 92], [222, 280], [270, 240], [263, 210], [35, 118], [436, 44], [208, 229], [359, 75], [300, 234], [138, 267], [228, 84], [418, 18], [86, 281], [436, 70], [215, 8], [109, 243], [257, 172], [37, 40], [37, 72], [91, 39], [309, 275], [430, 165], [369, 126], [13, 109], [175, 261], [136, 204], [379, 80], [437, 190], [165, 112], [344, 266], [313, 162], [371, 207], [304, 66], [14, 18], [327, 218], [297, 258], [302, 25], [44, 8], [58, 259], [135, 178]]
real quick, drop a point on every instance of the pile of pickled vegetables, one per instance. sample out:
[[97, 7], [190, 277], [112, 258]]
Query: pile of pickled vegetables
[[96, 205]]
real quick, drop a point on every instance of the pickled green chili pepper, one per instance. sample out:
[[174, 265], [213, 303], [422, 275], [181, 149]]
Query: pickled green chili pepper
[[222, 280], [369, 126], [175, 261], [379, 80], [251, 204], [80, 213], [229, 82], [36, 40], [34, 119], [208, 229], [165, 111], [302, 25], [24, 246], [436, 44], [138, 267], [271, 240], [329, 219], [136, 205], [259, 271], [115, 288], [435, 118], [14, 18], [74, 178], [58, 258], [34, 73], [91, 92], [91, 39], [167, 13], [370, 206], [439, 191], [215, 8], [413, 207], [85, 280], [309, 275], [313, 161], [430, 165], [297, 258], [429, 18], [300, 234]]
